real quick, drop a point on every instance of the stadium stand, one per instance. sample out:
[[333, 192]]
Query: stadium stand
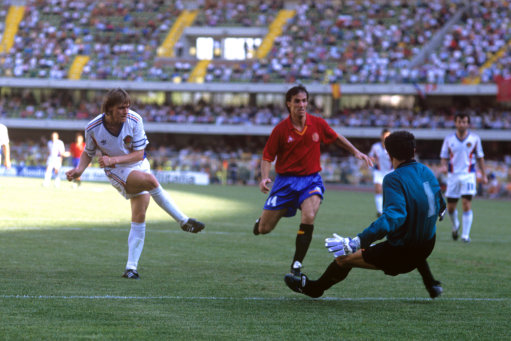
[[368, 64]]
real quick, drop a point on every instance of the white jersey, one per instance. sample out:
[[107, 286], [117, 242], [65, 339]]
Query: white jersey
[[462, 154], [56, 149], [382, 159], [4, 136], [132, 137]]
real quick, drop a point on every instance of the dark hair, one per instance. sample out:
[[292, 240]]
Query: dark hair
[[384, 131], [400, 145], [113, 98], [293, 92], [461, 115]]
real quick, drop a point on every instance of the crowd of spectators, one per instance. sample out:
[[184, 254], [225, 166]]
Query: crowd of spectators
[[234, 13], [350, 41], [483, 31], [59, 106]]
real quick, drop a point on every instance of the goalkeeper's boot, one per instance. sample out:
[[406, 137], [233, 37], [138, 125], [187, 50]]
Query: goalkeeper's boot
[[256, 226], [193, 226], [301, 285], [435, 290], [296, 268], [131, 274]]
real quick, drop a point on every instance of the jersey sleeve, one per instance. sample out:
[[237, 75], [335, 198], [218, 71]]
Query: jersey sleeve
[[395, 213], [4, 136], [139, 136], [328, 134], [62, 148], [444, 152], [479, 148], [372, 152], [272, 145], [90, 143]]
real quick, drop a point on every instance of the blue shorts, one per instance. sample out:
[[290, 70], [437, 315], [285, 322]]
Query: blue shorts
[[76, 161], [290, 191]]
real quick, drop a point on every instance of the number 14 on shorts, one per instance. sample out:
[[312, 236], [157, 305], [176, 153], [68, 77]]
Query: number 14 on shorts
[[272, 201]]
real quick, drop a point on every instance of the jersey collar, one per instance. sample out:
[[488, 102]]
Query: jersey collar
[[290, 124], [406, 163], [461, 140]]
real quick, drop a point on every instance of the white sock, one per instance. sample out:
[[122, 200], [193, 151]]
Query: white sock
[[454, 220], [165, 201], [57, 180], [135, 244], [466, 220], [47, 176], [378, 200]]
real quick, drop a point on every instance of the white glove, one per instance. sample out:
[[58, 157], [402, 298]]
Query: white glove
[[341, 246]]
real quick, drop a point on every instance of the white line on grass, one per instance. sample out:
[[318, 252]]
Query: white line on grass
[[213, 298], [501, 240]]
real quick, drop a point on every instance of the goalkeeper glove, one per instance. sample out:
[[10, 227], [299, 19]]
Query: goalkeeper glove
[[341, 246]]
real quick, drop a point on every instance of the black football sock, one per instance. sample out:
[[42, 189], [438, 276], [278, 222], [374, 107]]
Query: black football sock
[[332, 275], [427, 276], [303, 240]]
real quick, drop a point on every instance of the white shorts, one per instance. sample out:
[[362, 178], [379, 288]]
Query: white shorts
[[54, 162], [119, 175], [461, 184], [378, 176]]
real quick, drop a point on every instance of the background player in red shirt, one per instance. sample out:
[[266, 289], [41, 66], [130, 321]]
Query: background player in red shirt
[[76, 151], [295, 142]]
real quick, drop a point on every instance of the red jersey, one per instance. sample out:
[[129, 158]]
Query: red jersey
[[298, 153], [76, 149]]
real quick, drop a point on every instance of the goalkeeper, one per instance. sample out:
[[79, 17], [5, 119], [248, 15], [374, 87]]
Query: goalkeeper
[[412, 204]]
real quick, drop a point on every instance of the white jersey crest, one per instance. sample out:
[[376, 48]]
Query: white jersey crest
[[379, 153], [462, 154], [132, 137]]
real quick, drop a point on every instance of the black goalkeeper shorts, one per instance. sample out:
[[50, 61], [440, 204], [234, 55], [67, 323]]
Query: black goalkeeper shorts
[[395, 260]]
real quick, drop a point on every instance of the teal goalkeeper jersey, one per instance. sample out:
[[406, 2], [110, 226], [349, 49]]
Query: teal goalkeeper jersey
[[412, 201]]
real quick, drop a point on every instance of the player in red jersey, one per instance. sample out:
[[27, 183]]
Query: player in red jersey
[[76, 151], [295, 142]]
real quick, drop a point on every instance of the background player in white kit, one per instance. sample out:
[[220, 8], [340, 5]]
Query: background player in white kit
[[382, 166], [459, 154], [56, 152], [118, 134], [4, 143]]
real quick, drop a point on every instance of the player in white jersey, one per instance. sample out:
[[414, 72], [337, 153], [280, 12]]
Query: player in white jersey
[[382, 166], [56, 152], [4, 142], [118, 136], [460, 153]]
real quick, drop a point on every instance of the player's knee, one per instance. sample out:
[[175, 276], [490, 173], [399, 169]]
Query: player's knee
[[308, 217], [151, 182], [342, 261], [265, 228]]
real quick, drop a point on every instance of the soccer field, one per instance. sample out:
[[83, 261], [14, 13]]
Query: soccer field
[[63, 251]]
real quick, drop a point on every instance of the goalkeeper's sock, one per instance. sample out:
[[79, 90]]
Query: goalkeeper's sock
[[164, 200], [332, 275], [454, 219], [466, 221], [135, 244], [378, 200], [303, 240], [427, 276]]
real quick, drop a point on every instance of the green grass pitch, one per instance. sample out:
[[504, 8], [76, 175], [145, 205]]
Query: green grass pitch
[[63, 250]]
